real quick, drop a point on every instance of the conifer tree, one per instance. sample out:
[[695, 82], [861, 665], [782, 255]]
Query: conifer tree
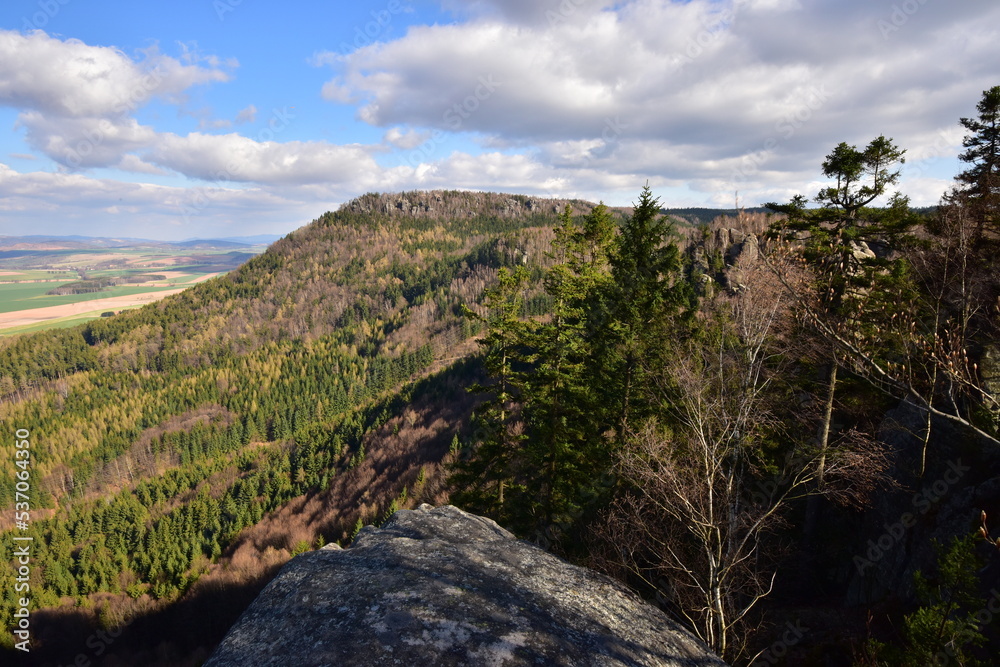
[[540, 459], [946, 625], [840, 238], [490, 470], [564, 440], [981, 181], [644, 297]]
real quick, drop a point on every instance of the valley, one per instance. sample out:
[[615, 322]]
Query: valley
[[64, 282]]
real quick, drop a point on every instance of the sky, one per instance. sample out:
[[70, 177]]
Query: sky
[[214, 118]]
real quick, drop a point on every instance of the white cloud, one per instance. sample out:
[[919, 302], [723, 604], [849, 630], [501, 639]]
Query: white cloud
[[247, 115], [134, 164], [695, 89], [68, 78], [214, 124], [63, 203], [336, 91], [84, 141], [528, 11], [405, 139], [232, 157], [76, 100], [587, 98]]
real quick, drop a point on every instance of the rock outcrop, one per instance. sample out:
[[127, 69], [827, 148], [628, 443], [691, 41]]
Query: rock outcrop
[[451, 204], [439, 586]]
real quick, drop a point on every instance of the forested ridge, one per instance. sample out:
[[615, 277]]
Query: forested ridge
[[160, 434], [782, 427]]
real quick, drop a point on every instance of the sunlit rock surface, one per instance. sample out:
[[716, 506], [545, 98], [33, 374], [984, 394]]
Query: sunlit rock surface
[[439, 586]]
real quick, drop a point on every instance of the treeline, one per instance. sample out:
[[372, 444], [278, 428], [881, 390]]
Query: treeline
[[102, 283]]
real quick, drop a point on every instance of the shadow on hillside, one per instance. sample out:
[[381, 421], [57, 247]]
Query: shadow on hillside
[[177, 635], [185, 633]]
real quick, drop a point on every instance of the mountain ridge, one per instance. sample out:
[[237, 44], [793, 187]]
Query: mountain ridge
[[286, 452]]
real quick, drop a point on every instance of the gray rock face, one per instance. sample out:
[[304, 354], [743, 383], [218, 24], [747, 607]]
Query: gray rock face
[[439, 586]]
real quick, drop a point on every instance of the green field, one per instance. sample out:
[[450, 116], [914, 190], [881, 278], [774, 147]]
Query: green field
[[33, 295], [60, 323], [56, 268], [38, 274], [21, 296]]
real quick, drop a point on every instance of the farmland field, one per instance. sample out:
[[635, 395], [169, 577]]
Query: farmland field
[[48, 288]]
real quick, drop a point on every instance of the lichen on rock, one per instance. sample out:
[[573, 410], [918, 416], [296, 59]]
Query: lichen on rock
[[439, 586]]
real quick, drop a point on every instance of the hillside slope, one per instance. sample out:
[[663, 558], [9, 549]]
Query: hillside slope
[[190, 447]]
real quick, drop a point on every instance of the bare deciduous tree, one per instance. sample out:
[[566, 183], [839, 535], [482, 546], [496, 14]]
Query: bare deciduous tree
[[705, 489]]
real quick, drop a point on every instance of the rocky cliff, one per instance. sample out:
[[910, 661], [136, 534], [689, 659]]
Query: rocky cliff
[[439, 586], [449, 204]]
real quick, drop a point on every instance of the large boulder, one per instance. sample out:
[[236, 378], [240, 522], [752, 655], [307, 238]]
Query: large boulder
[[439, 586]]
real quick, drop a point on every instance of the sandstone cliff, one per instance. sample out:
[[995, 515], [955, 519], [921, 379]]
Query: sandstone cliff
[[439, 586]]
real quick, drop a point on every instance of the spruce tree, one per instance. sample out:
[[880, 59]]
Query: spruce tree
[[642, 301], [981, 181], [564, 440], [489, 473]]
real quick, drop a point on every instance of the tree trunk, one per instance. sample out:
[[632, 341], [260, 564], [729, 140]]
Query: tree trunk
[[814, 504]]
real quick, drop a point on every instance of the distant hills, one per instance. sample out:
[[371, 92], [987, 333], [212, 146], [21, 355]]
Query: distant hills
[[77, 242], [691, 216], [703, 216], [329, 371]]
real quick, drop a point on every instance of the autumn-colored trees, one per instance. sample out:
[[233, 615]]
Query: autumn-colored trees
[[192, 419]]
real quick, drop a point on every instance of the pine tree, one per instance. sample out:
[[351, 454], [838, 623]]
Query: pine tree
[[840, 241], [981, 181]]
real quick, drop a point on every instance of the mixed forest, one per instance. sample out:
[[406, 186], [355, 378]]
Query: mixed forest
[[783, 426]]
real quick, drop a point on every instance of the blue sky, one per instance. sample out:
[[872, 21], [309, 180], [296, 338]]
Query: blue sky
[[232, 117]]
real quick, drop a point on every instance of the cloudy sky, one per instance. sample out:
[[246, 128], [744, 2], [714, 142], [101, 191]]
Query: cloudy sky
[[199, 118]]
